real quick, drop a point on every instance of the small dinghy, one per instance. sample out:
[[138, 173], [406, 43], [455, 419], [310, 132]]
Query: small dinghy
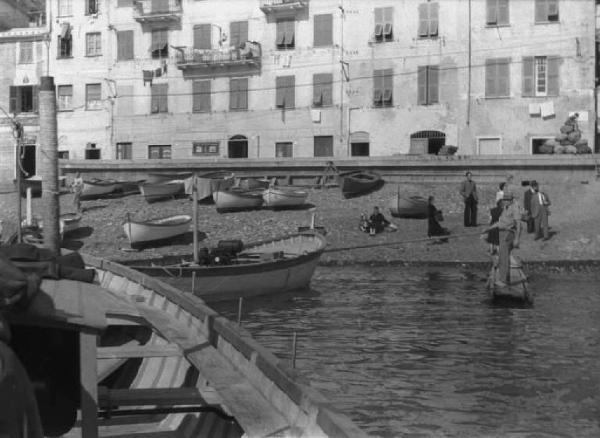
[[157, 191], [142, 232], [98, 188], [413, 207], [359, 182], [208, 183], [281, 197], [69, 222], [236, 198], [516, 289]]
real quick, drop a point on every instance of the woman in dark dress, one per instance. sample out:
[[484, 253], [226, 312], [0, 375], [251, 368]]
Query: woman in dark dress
[[493, 236], [433, 226]]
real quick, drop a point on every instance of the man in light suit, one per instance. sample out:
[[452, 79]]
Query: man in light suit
[[539, 212], [527, 206]]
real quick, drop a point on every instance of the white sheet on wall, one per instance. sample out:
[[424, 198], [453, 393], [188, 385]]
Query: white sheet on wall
[[547, 109]]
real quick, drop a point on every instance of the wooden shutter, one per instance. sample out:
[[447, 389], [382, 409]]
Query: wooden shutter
[[243, 93], [388, 85], [423, 20], [503, 75], [503, 12], [327, 88], [125, 45], [553, 75], [317, 90], [490, 78], [323, 146], [433, 84], [203, 36], [323, 31], [14, 105], [163, 98], [233, 94], [434, 10], [290, 35], [238, 33], [528, 76], [201, 96], [160, 5], [388, 21], [35, 90], [552, 6], [290, 92], [378, 22], [280, 38], [280, 91], [541, 11], [377, 87], [491, 12], [422, 85]]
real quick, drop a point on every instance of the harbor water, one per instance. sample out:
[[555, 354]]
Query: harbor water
[[424, 353]]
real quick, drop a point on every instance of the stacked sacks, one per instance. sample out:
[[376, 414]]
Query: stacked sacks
[[569, 140]]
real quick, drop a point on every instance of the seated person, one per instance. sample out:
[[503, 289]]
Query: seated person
[[376, 222], [433, 216]]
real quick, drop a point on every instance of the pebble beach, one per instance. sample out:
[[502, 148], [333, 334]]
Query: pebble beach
[[575, 233]]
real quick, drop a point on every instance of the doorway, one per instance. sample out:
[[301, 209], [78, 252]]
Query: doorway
[[427, 142], [28, 159], [237, 147]]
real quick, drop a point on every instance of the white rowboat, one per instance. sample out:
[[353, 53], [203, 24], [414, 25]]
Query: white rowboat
[[284, 197], [140, 232], [236, 198]]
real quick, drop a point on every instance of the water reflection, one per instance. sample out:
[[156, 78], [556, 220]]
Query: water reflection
[[425, 353]]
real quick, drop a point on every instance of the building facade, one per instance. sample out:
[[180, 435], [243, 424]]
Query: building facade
[[204, 80]]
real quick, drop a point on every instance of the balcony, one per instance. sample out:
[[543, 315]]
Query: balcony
[[159, 12], [283, 8], [248, 55]]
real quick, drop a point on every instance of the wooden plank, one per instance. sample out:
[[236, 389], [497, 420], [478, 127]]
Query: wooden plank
[[149, 397], [123, 352], [89, 385]]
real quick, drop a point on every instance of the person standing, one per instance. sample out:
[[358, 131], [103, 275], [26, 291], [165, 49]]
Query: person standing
[[433, 226], [539, 211], [468, 190], [77, 188], [493, 236], [509, 226], [527, 206]]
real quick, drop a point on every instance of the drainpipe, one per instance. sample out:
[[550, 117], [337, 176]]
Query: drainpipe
[[469, 72], [341, 7]]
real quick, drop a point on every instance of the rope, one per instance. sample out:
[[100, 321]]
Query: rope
[[401, 242]]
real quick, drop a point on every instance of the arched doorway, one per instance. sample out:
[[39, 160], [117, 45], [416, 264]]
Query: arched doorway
[[359, 144], [427, 142], [237, 147]]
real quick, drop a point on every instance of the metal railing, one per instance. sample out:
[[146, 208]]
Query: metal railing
[[276, 3], [249, 53], [148, 8]]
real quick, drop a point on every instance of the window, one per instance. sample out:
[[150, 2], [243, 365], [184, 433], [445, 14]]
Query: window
[[384, 24], [25, 52], [541, 76], [497, 77], [428, 84], [324, 146], [65, 42], [93, 44], [285, 92], [284, 149], [124, 45], [159, 101], [546, 11], [205, 148], [203, 36], [160, 43], [23, 99], [63, 155], [65, 7], [489, 145], [497, 13], [238, 94], [322, 89], [238, 33], [383, 87], [156, 152], [124, 151], [93, 96], [323, 30], [91, 7], [201, 96], [65, 97], [91, 152], [428, 20], [285, 34]]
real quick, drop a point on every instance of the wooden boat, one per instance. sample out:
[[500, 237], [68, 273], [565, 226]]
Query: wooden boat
[[132, 356], [359, 182], [156, 191], [97, 188], [413, 207], [254, 183], [235, 198], [516, 289], [267, 267], [140, 232], [208, 183], [154, 178], [275, 197], [129, 187], [69, 222]]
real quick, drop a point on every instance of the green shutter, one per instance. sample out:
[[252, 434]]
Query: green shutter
[[491, 12], [243, 93], [125, 45], [434, 10], [377, 86], [238, 33], [423, 20], [233, 90], [201, 96], [541, 11], [290, 92], [327, 88], [503, 75], [35, 98], [317, 90], [323, 30], [14, 101], [528, 76], [279, 91], [203, 36], [433, 84], [554, 75], [490, 78], [503, 12], [422, 85]]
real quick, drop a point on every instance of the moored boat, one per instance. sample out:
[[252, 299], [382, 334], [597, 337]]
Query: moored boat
[[69, 222], [516, 289], [359, 182], [157, 191], [154, 178], [267, 267], [98, 188], [235, 198], [254, 183], [413, 207], [208, 183], [142, 232], [276, 197]]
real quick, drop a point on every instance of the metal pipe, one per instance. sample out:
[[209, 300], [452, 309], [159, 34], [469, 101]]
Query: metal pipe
[[18, 178], [239, 318], [294, 350], [195, 216]]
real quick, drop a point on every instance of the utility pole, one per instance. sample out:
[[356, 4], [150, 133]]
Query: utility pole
[[342, 71], [18, 134], [49, 163]]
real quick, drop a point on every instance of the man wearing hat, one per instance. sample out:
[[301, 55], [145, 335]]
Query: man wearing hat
[[468, 190], [529, 193], [509, 226]]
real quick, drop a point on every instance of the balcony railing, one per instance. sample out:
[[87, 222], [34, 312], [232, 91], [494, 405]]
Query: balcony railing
[[283, 7], [249, 54], [157, 11]]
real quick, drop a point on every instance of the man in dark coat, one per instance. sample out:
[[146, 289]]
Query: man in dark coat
[[527, 205], [539, 211], [468, 190]]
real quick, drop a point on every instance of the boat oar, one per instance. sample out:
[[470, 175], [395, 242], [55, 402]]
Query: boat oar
[[399, 242]]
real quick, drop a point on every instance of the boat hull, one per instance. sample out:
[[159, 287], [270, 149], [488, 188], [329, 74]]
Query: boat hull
[[140, 233], [284, 197], [357, 183], [232, 199], [69, 222], [209, 183], [154, 192], [517, 289], [93, 189], [414, 207]]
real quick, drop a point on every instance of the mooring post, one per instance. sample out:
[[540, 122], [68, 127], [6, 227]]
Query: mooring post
[[294, 350], [240, 302]]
